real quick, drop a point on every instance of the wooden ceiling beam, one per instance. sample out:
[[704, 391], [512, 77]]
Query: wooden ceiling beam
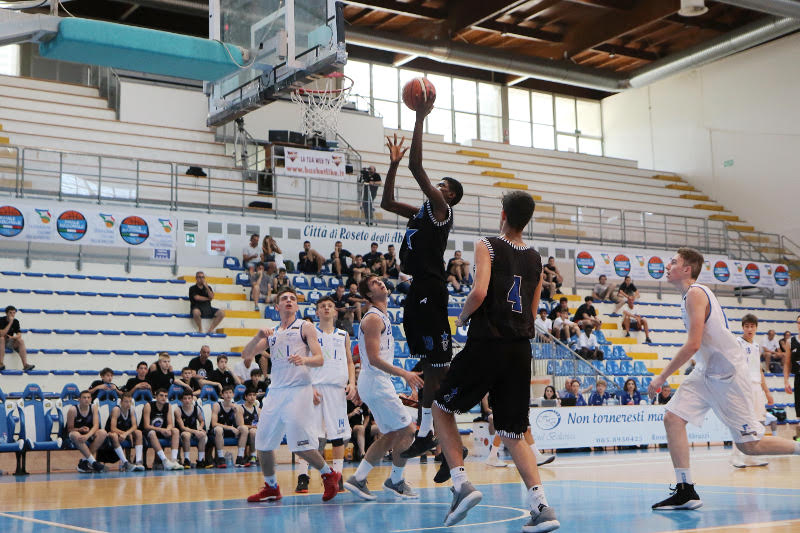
[[401, 8], [467, 13]]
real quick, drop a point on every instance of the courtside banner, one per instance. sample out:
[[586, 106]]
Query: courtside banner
[[73, 223], [302, 163], [650, 265], [622, 425]]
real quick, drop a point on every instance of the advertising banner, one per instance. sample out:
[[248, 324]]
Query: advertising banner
[[58, 222], [622, 425], [302, 163]]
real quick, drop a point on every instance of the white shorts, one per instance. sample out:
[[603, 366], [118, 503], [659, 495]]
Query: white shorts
[[331, 412], [286, 411], [759, 402], [730, 399], [378, 393]]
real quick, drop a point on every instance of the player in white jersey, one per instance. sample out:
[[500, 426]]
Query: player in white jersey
[[719, 382], [760, 392], [376, 389], [334, 383], [294, 348]]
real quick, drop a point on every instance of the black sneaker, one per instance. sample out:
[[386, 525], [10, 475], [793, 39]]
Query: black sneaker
[[84, 467], [443, 474], [683, 497], [187, 464], [420, 446], [157, 463], [302, 484], [201, 463], [98, 467], [240, 462], [219, 462]]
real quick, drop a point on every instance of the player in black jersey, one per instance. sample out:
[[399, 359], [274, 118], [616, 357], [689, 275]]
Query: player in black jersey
[[497, 359], [425, 321], [121, 426], [227, 422], [250, 415], [189, 421], [84, 431], [157, 424]]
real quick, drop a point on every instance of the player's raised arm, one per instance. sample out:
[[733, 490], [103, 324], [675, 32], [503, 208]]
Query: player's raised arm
[[258, 343], [438, 203], [483, 273], [388, 202]]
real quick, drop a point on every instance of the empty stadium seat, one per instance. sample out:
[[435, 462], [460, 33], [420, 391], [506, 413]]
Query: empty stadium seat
[[231, 263], [36, 421], [318, 283], [10, 440], [300, 282]]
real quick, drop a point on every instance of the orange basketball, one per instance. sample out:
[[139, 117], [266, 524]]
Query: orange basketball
[[418, 92]]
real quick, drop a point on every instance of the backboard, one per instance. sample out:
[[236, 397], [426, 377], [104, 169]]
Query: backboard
[[291, 42]]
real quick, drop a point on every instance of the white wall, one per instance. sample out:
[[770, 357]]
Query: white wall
[[742, 109], [163, 106]]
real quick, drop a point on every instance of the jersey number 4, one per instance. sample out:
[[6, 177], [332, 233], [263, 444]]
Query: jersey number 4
[[514, 295]]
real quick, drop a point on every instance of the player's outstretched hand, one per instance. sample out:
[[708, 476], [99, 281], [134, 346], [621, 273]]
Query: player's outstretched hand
[[396, 150], [655, 386], [297, 359], [414, 379]]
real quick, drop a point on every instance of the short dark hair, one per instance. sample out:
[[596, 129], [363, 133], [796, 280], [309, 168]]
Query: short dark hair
[[456, 187], [363, 286], [185, 393], [184, 369], [518, 207], [588, 299], [221, 357], [749, 318], [159, 391], [693, 258], [142, 363], [10, 308], [374, 244], [227, 388], [105, 371], [304, 242], [255, 372], [84, 392], [284, 290], [128, 395], [325, 299], [250, 390], [563, 299]]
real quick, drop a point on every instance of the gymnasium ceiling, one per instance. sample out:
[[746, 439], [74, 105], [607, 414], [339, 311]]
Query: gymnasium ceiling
[[614, 37]]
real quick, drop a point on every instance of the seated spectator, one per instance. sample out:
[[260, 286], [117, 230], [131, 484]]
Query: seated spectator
[[405, 283], [357, 270], [139, 381], [200, 296], [261, 284], [339, 260], [190, 424], [189, 381], [360, 305], [162, 377], [452, 280], [157, 424], [550, 394], [552, 277], [663, 397], [374, 260], [458, 267], [630, 394], [243, 368], [625, 289], [564, 328], [104, 383], [588, 347], [586, 315], [563, 305], [11, 339], [600, 396], [391, 262], [121, 426], [222, 376], [227, 422], [603, 290], [309, 261], [83, 430], [257, 382], [574, 393], [785, 346], [201, 364], [271, 254], [544, 326], [771, 353], [346, 312], [281, 282], [251, 254], [632, 320], [250, 414]]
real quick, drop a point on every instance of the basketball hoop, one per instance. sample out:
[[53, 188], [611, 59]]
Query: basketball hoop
[[320, 105]]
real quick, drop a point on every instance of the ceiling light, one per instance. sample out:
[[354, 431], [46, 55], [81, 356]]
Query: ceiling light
[[692, 8]]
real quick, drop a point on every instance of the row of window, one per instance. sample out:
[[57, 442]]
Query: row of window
[[468, 109]]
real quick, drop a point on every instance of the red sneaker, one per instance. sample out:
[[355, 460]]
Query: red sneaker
[[266, 494], [331, 483]]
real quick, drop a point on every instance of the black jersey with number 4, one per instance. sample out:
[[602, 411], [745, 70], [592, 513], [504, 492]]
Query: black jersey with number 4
[[422, 251], [506, 311]]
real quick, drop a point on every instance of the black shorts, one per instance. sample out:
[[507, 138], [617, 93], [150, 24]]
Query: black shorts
[[426, 323], [226, 434], [207, 312], [500, 368]]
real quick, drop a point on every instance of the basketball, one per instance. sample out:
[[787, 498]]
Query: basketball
[[418, 92]]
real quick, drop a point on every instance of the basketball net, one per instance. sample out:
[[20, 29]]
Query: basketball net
[[320, 103]]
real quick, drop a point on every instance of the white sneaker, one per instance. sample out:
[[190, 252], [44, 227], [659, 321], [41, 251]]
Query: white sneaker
[[494, 460], [172, 465]]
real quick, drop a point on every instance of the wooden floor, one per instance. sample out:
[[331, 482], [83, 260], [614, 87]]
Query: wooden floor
[[612, 490]]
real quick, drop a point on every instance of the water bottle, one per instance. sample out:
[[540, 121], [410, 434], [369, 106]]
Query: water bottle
[[3, 438], [229, 459]]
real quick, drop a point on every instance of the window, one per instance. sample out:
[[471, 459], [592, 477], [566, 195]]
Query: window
[[465, 96], [466, 127], [565, 115], [9, 60], [388, 110], [360, 93], [385, 82]]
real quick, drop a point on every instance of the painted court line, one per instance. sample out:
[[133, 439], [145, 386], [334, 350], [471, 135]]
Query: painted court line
[[51, 524]]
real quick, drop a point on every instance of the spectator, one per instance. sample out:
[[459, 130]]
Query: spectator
[[345, 311], [405, 283], [458, 267], [223, 376], [139, 381], [357, 270], [157, 424], [771, 353], [11, 339], [309, 261], [104, 383], [588, 347], [603, 290], [201, 364], [261, 284], [189, 381], [550, 394], [630, 394], [573, 392], [391, 262], [257, 382], [625, 289], [587, 314], [250, 415], [632, 320], [785, 343], [243, 368], [83, 430], [564, 328], [339, 258], [191, 424], [227, 422], [281, 282], [271, 254], [544, 326], [374, 260], [360, 305], [600, 396], [563, 305], [162, 377], [200, 296], [552, 277], [251, 254], [121, 426], [663, 397], [370, 181], [452, 280]]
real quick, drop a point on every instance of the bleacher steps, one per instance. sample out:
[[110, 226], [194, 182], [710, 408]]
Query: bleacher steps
[[4, 140], [741, 227], [642, 355], [498, 174], [657, 371], [697, 197], [229, 296], [568, 232], [242, 314], [709, 207], [680, 187], [213, 280], [755, 238], [479, 163], [771, 249], [622, 340], [571, 297], [45, 85], [510, 185], [609, 325], [472, 153], [664, 177], [96, 102], [238, 332], [728, 218]]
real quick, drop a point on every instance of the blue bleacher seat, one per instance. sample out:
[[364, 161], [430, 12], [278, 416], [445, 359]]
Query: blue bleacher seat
[[75, 351], [552, 367], [64, 331], [300, 282], [410, 363], [99, 352], [334, 282], [42, 291], [310, 312], [314, 296], [33, 274], [37, 372], [646, 380], [619, 353], [54, 275], [82, 372], [640, 369], [626, 368], [21, 291], [356, 328], [36, 420], [399, 384], [174, 394], [397, 333], [231, 263], [30, 311], [243, 279], [238, 393], [612, 367], [318, 283], [9, 436], [270, 313], [98, 278], [52, 351], [53, 311], [599, 365], [63, 372], [107, 395], [619, 381]]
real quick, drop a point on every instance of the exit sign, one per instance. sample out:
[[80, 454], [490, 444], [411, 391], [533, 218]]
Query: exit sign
[[727, 163]]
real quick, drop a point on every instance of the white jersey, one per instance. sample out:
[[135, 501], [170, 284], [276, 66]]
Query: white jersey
[[719, 355], [282, 344], [753, 353], [334, 350], [387, 343]]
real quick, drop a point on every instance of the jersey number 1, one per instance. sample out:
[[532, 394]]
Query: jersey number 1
[[514, 295]]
